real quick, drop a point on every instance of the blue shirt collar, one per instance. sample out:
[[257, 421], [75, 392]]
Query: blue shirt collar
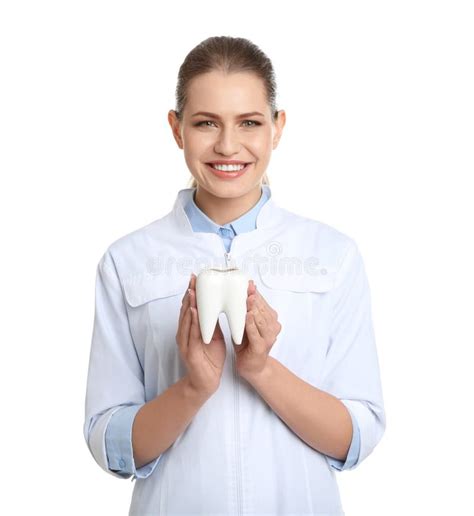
[[246, 222]]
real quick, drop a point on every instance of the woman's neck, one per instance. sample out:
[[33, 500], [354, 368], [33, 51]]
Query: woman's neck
[[223, 210]]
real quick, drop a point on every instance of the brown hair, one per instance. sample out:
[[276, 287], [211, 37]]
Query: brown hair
[[226, 54]]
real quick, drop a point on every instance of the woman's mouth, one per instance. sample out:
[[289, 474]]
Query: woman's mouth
[[228, 171]]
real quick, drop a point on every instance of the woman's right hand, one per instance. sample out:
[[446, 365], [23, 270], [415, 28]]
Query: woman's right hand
[[204, 362]]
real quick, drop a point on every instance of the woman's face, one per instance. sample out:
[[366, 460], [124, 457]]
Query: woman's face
[[216, 126]]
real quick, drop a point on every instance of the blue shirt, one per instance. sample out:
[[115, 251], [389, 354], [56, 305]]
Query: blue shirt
[[246, 222], [118, 435]]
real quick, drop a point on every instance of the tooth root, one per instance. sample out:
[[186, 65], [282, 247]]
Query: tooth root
[[236, 304], [208, 313], [237, 307]]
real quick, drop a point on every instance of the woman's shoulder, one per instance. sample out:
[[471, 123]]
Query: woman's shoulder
[[129, 254], [327, 238]]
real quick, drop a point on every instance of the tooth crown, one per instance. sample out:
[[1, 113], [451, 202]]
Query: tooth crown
[[228, 167], [222, 290]]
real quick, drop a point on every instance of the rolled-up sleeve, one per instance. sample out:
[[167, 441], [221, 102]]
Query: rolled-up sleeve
[[118, 441], [115, 375], [354, 449], [351, 371]]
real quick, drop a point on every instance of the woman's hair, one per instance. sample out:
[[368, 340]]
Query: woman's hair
[[226, 54]]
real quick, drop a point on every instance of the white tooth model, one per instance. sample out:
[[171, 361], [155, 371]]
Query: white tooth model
[[222, 290]]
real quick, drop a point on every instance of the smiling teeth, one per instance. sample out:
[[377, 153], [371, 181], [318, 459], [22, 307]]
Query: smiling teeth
[[228, 168]]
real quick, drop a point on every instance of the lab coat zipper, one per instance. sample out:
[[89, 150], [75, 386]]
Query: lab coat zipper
[[228, 262], [228, 259], [237, 438]]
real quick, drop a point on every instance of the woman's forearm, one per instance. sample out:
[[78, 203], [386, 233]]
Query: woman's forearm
[[161, 420], [317, 417]]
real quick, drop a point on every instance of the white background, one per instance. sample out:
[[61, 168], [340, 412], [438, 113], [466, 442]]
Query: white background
[[378, 144]]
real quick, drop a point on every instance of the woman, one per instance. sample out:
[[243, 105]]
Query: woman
[[222, 428]]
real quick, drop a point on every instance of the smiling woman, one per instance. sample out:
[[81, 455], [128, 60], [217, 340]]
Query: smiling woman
[[226, 111], [220, 428], [226, 115]]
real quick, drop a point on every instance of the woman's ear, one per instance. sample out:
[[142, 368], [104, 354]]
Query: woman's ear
[[175, 125], [280, 122]]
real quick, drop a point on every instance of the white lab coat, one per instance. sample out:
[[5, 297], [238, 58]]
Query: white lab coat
[[236, 456]]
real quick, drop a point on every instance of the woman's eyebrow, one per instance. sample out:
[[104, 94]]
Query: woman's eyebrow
[[213, 115]]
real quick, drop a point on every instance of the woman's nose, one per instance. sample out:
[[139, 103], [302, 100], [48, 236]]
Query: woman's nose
[[227, 142]]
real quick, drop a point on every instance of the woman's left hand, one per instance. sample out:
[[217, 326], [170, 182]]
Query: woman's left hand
[[261, 330]]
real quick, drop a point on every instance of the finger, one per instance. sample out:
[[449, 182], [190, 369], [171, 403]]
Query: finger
[[195, 332], [253, 302], [185, 302], [192, 298], [189, 282], [253, 333], [260, 322], [182, 336], [184, 306], [270, 313], [192, 291], [264, 309], [272, 325], [261, 300], [252, 288]]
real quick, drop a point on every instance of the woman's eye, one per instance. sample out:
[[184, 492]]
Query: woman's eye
[[202, 124], [252, 122]]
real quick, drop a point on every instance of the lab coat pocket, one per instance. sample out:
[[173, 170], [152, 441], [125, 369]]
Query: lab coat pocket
[[301, 301], [153, 305]]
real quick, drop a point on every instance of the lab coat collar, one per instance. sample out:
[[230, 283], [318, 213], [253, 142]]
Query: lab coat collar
[[154, 263], [246, 222], [269, 216]]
